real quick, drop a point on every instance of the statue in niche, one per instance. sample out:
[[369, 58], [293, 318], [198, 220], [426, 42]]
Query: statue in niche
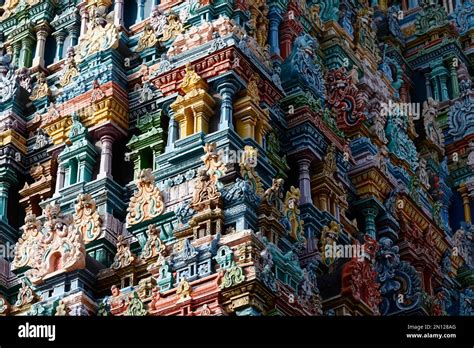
[[430, 112], [423, 174]]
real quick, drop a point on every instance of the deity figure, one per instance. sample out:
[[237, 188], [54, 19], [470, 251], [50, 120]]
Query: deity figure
[[430, 112], [291, 219]]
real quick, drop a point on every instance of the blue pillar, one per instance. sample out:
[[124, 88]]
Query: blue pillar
[[60, 37], [140, 11], [227, 90], [274, 39]]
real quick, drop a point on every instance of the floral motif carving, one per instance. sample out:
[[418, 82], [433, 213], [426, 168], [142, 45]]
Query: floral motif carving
[[11, 6], [136, 306], [69, 69], [52, 114], [147, 202], [101, 35], [234, 275], [153, 246], [59, 246], [124, 256], [4, 306], [26, 295], [148, 38], [87, 219], [27, 243], [41, 89]]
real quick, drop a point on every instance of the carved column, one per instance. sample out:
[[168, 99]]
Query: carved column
[[172, 131], [465, 201], [286, 38], [454, 81], [323, 200], [444, 87], [4, 186], [25, 53], [74, 32], [140, 11], [70, 176], [84, 20], [7, 178], [428, 86], [227, 90], [118, 13], [16, 53], [41, 35], [59, 180], [305, 181], [60, 36], [436, 88], [273, 35], [370, 214], [405, 90], [106, 156]]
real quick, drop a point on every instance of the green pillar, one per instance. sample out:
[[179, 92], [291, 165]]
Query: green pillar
[[67, 177], [454, 81], [85, 169], [436, 88], [370, 213], [4, 186], [16, 53], [444, 88], [25, 53]]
